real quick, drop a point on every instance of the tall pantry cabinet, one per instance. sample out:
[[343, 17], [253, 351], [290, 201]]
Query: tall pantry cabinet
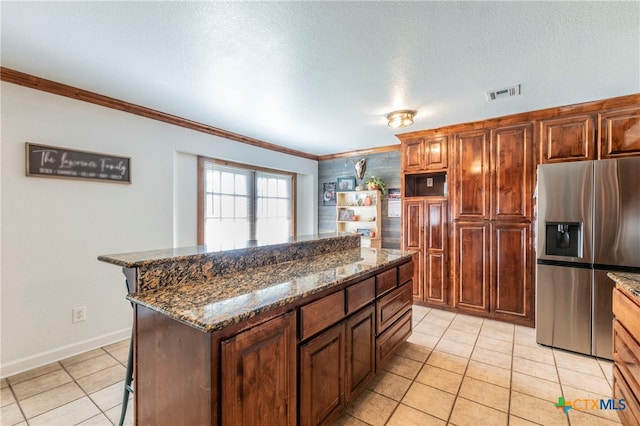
[[493, 217], [473, 238], [426, 217]]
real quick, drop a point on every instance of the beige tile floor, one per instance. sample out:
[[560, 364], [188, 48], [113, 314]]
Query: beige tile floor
[[454, 370]]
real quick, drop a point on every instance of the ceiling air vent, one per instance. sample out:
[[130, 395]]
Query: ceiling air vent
[[503, 93]]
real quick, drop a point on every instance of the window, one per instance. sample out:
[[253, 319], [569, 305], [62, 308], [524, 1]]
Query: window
[[238, 203]]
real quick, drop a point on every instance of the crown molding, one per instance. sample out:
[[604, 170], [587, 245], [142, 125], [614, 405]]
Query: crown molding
[[37, 83]]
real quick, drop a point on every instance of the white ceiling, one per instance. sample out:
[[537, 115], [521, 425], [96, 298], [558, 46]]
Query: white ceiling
[[319, 77]]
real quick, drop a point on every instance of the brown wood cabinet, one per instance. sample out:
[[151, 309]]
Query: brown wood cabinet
[[425, 228], [428, 153], [492, 248], [490, 174], [512, 270], [471, 269], [322, 378], [620, 133], [361, 354], [471, 181], [512, 173], [567, 139], [338, 363], [626, 354], [297, 364], [259, 374]]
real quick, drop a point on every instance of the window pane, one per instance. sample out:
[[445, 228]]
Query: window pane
[[209, 180], [283, 188], [241, 185], [209, 203], [227, 205], [260, 183], [216, 206], [272, 189], [241, 207], [216, 181], [227, 183], [283, 208]]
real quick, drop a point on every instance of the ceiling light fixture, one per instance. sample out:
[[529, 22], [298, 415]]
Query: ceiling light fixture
[[401, 118]]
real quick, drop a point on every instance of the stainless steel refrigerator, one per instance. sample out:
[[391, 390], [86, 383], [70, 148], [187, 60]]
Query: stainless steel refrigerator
[[587, 224]]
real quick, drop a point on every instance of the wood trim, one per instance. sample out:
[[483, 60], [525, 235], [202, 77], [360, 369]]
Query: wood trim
[[507, 120], [200, 209], [368, 151], [37, 83]]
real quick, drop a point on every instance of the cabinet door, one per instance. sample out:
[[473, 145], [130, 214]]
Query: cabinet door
[[435, 153], [567, 139], [361, 355], [512, 273], [322, 373], [620, 133], [471, 194], [435, 276], [412, 155], [512, 176], [413, 239], [472, 266], [259, 374]]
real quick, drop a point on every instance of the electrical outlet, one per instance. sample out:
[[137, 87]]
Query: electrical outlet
[[79, 314]]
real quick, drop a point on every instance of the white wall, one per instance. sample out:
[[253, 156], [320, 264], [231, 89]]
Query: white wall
[[52, 230]]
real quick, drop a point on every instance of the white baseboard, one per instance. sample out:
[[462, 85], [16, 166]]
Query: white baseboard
[[24, 364]]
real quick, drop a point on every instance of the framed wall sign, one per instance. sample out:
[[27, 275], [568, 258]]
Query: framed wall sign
[[329, 194], [51, 161]]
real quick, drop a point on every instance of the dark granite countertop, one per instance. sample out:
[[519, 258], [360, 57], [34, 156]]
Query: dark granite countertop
[[216, 302], [627, 280], [149, 257]]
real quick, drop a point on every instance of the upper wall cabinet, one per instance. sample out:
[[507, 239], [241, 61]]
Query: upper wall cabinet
[[424, 154], [567, 139], [512, 172], [620, 133], [471, 194]]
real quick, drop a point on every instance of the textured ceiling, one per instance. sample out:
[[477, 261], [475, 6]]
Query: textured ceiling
[[319, 77]]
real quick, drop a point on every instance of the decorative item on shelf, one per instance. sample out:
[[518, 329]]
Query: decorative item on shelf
[[346, 183], [364, 232], [367, 201], [345, 214], [374, 183], [355, 218], [372, 234]]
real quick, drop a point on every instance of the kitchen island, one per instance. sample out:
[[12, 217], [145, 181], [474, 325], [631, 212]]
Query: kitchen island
[[626, 345], [282, 333]]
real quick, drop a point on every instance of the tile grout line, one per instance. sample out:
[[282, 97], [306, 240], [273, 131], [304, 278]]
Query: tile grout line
[[73, 380], [464, 374], [15, 397]]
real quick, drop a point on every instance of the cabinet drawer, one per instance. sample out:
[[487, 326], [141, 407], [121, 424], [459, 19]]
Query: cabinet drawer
[[360, 294], [626, 312], [392, 306], [388, 342], [321, 314], [631, 414], [626, 354], [405, 272], [386, 281]]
